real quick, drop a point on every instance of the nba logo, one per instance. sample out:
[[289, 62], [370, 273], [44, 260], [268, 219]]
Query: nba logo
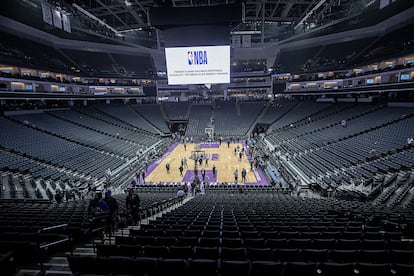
[[190, 57]]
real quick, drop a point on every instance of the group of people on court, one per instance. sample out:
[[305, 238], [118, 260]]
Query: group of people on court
[[239, 152], [243, 175]]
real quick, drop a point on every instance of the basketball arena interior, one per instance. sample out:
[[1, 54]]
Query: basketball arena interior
[[207, 137]]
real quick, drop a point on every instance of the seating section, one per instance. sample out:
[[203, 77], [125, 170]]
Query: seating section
[[20, 185], [13, 51], [176, 111], [296, 60], [66, 149], [394, 189], [78, 133], [23, 241], [276, 111], [133, 65], [339, 152], [300, 111], [110, 126], [371, 144], [248, 115], [16, 162], [229, 122], [199, 118], [92, 62], [152, 113], [53, 150], [328, 57], [397, 41], [261, 233], [126, 114]]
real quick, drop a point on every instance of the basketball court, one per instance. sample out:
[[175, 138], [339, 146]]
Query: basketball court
[[223, 157]]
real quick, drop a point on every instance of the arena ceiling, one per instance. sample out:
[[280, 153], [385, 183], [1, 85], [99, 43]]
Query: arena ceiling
[[129, 14]]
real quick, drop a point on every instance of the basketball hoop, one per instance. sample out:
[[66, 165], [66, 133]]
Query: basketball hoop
[[210, 132]]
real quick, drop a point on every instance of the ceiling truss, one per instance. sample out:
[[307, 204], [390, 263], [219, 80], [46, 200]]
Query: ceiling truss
[[124, 14]]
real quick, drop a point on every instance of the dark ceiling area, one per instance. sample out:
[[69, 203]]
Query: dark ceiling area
[[124, 14]]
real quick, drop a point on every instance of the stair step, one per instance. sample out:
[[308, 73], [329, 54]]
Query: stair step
[[56, 265], [59, 260]]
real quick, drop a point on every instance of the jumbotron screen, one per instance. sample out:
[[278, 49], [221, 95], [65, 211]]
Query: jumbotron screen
[[198, 64]]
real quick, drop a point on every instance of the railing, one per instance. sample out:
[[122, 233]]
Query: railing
[[97, 224], [44, 247]]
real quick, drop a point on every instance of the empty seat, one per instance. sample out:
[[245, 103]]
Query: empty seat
[[343, 256], [276, 243], [201, 252], [190, 241], [133, 266], [180, 252], [130, 250], [167, 241], [266, 268], [86, 265], [314, 255], [373, 269], [155, 251], [299, 243], [373, 256], [299, 268], [401, 256], [230, 253], [324, 243], [259, 254], [235, 268], [230, 234], [403, 269], [210, 233], [231, 242], [252, 242], [202, 267], [336, 269], [209, 242], [373, 244], [166, 266], [285, 255], [345, 244]]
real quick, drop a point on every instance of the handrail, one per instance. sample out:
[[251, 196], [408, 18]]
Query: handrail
[[52, 227], [53, 243]]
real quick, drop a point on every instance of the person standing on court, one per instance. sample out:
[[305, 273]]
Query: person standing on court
[[214, 170], [243, 174], [181, 170], [203, 174], [167, 167], [236, 175]]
